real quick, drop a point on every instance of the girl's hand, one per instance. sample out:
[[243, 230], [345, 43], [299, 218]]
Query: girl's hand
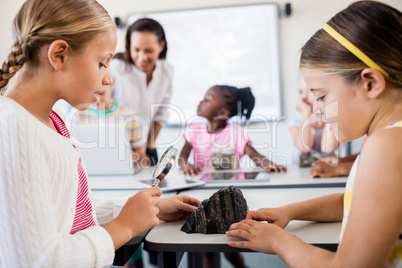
[[262, 161], [177, 207], [323, 170], [331, 160], [258, 236], [139, 214], [271, 167], [278, 216], [276, 168], [303, 107], [191, 170]]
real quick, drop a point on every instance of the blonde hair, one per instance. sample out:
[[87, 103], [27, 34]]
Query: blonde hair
[[373, 27], [40, 22]]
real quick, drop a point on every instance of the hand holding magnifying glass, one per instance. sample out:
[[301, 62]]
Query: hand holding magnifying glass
[[164, 165]]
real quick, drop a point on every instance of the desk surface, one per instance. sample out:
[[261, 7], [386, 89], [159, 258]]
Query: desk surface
[[168, 237], [295, 177], [280, 189]]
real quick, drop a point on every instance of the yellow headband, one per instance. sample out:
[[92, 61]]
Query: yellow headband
[[353, 49]]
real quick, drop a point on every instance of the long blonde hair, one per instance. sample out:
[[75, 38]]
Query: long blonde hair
[[40, 22], [375, 28]]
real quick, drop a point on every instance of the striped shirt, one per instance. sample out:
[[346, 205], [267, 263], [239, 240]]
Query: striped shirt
[[83, 211], [118, 114]]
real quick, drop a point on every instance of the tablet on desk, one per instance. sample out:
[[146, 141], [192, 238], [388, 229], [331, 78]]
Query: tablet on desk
[[238, 176], [173, 183]]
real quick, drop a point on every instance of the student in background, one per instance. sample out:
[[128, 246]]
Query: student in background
[[221, 103], [143, 78], [332, 166], [107, 111], [62, 50], [310, 135], [355, 60]]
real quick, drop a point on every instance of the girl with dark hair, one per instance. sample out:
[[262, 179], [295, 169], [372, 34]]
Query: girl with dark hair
[[221, 103], [143, 79], [355, 61]]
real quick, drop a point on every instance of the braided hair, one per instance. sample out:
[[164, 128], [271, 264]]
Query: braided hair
[[40, 22], [239, 101], [16, 60]]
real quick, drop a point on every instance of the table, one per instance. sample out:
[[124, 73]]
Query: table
[[123, 254], [295, 177], [171, 243], [295, 185]]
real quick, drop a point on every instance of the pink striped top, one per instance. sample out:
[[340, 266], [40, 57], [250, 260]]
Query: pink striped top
[[83, 212]]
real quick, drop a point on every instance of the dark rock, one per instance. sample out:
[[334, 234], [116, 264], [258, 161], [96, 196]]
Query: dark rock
[[216, 214]]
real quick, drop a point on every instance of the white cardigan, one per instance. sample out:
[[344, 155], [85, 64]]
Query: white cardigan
[[38, 193]]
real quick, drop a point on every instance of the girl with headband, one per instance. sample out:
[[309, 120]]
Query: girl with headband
[[354, 67]]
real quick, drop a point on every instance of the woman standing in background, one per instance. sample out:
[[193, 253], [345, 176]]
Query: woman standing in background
[[143, 79]]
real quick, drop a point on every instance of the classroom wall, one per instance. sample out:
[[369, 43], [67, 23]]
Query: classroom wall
[[307, 16]]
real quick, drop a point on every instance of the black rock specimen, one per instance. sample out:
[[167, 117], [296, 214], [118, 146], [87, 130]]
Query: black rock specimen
[[216, 214]]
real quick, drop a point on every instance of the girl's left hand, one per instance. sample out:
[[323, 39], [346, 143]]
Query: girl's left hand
[[271, 167], [177, 207], [258, 236], [323, 170], [276, 168]]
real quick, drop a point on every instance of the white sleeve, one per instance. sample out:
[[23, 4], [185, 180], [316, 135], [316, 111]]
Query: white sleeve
[[31, 221], [107, 209], [117, 91], [162, 114]]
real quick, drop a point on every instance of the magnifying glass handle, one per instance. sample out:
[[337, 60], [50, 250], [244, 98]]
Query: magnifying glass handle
[[156, 182]]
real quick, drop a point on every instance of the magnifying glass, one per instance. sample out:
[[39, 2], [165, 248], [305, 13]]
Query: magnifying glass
[[164, 165]]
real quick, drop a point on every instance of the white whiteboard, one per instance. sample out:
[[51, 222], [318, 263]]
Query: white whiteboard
[[236, 46]]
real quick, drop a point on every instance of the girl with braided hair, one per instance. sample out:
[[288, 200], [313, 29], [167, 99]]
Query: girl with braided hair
[[220, 103], [62, 50]]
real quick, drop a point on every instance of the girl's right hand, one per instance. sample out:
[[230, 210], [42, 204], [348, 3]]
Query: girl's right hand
[[278, 216], [330, 160], [139, 212], [323, 170], [191, 170], [257, 236], [303, 107]]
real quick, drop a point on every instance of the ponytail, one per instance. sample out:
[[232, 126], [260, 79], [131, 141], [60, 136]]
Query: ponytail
[[40, 22], [247, 100], [11, 66], [240, 101]]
